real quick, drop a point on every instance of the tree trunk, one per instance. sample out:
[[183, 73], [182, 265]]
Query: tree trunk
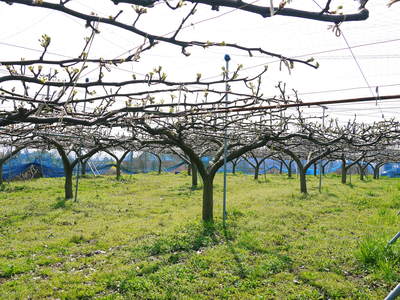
[[234, 168], [315, 169], [83, 167], [159, 163], [189, 170], [344, 172], [69, 194], [361, 169], [289, 169], [208, 201], [376, 172], [256, 171], [280, 168], [118, 169], [194, 176], [68, 169], [159, 167], [303, 181]]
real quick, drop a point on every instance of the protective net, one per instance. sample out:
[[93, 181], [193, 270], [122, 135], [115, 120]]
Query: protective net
[[30, 164]]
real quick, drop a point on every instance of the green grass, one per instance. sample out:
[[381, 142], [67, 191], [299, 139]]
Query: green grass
[[141, 238]]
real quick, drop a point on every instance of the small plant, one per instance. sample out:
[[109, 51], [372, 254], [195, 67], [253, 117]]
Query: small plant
[[78, 239], [61, 203], [8, 271], [377, 257]]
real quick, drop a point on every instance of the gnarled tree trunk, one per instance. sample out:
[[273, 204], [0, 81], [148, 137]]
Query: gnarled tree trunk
[[118, 162], [83, 167], [118, 169], [194, 176], [303, 181], [344, 171], [68, 187], [376, 170], [256, 171], [362, 170], [233, 167], [289, 169], [208, 201]]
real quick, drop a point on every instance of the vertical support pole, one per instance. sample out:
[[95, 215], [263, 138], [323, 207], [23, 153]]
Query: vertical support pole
[[86, 92], [320, 161], [350, 171], [394, 293], [77, 176], [265, 172], [227, 59], [80, 149]]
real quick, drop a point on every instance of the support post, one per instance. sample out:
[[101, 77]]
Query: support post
[[77, 180], [394, 239], [227, 59], [80, 148], [320, 161], [394, 293]]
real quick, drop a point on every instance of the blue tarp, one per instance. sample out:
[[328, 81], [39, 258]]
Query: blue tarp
[[391, 170], [11, 171], [50, 165]]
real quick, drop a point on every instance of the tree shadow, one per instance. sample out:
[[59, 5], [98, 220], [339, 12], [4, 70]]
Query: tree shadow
[[62, 203], [228, 237], [196, 188], [192, 237]]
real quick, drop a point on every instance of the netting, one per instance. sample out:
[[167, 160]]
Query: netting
[[391, 170], [49, 164]]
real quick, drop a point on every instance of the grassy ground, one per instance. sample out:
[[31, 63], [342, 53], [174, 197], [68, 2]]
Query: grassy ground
[[141, 238]]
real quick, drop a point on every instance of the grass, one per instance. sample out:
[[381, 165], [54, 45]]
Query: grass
[[141, 238]]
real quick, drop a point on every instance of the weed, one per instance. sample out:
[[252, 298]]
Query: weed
[[60, 203], [377, 257], [78, 239]]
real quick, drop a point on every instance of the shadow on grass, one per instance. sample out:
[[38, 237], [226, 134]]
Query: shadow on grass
[[228, 240], [186, 189], [62, 203], [196, 188], [191, 237], [194, 237], [333, 195]]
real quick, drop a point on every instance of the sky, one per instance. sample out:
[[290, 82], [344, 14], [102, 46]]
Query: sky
[[364, 57]]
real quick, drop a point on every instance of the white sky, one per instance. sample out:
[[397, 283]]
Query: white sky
[[379, 59]]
